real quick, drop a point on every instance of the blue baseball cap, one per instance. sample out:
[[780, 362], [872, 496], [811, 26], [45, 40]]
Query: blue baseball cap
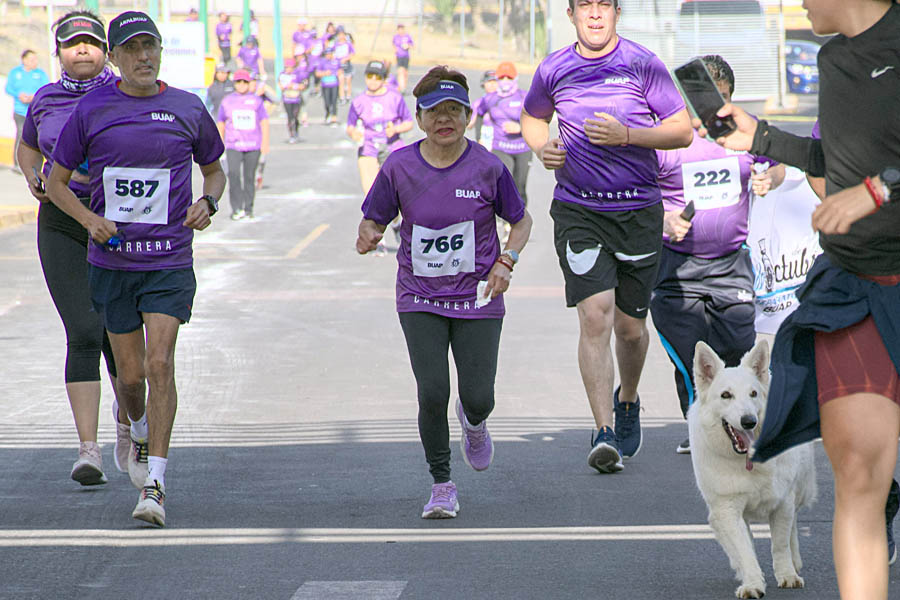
[[446, 90]]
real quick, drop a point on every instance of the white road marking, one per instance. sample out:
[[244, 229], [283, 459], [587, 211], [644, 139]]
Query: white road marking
[[349, 590], [120, 538]]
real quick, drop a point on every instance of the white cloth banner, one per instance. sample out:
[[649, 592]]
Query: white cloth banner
[[183, 55], [783, 247]]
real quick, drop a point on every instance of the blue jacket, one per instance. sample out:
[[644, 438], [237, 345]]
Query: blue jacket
[[20, 80], [831, 299]]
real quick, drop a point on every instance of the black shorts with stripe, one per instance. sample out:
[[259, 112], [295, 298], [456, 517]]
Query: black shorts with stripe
[[600, 251]]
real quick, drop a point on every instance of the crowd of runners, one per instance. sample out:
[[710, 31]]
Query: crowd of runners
[[116, 226]]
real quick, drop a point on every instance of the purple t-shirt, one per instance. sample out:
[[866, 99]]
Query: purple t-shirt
[[631, 84], [139, 151], [48, 112], [376, 112], [242, 115], [286, 79], [399, 41], [504, 109], [815, 131], [477, 109], [718, 181], [223, 34], [331, 68], [449, 233], [344, 50], [250, 59]]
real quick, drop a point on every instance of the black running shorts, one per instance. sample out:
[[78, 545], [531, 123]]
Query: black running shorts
[[600, 251], [121, 297]]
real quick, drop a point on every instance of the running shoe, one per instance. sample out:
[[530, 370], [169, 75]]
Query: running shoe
[[443, 504], [628, 424], [604, 455], [684, 447], [150, 503], [123, 441], [238, 215], [138, 469], [88, 469], [475, 441], [890, 511]]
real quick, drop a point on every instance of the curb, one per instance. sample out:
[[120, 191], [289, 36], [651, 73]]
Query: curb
[[15, 216]]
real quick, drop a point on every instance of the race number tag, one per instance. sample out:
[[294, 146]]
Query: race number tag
[[244, 120], [443, 252], [712, 183], [136, 195]]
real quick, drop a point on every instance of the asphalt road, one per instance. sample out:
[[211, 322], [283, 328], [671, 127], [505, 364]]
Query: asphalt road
[[296, 471]]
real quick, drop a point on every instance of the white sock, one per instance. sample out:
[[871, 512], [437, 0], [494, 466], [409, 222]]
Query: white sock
[[157, 468], [139, 428]]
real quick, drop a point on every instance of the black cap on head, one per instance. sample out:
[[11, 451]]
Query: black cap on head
[[129, 24], [80, 25], [377, 67]]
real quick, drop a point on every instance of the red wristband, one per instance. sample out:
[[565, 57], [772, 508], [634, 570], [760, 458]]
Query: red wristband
[[505, 262], [874, 192]]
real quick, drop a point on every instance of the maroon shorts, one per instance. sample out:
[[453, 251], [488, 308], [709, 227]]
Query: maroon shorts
[[854, 360]]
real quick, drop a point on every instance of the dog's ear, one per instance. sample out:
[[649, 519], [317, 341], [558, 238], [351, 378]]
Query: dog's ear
[[757, 360], [706, 366]]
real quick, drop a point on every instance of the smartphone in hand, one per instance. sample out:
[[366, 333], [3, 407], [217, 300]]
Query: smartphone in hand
[[701, 92], [688, 213], [40, 182]]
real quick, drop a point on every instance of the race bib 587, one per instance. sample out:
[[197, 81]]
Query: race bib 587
[[442, 252], [244, 120], [136, 195]]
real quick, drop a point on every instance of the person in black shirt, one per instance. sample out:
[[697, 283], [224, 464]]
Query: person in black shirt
[[221, 86], [836, 361]]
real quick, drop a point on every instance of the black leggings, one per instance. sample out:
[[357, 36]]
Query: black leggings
[[475, 344], [330, 97], [517, 164], [293, 117], [62, 247], [242, 188]]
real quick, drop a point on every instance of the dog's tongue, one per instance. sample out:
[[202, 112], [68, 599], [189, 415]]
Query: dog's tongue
[[749, 464], [749, 439]]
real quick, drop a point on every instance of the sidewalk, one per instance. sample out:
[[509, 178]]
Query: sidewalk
[[17, 206]]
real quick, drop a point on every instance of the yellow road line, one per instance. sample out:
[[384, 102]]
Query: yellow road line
[[305, 242]]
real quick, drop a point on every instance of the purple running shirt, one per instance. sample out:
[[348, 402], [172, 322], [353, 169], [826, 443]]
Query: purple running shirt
[[48, 112], [288, 78], [449, 233], [223, 34], [504, 109], [631, 84], [242, 115], [250, 58], [331, 68], [399, 41], [376, 111], [718, 181], [139, 151], [344, 50]]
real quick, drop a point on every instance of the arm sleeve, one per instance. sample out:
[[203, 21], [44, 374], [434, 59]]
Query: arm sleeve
[[660, 91], [70, 150], [804, 153], [481, 107], [29, 129], [207, 146], [352, 115], [508, 204], [538, 101], [382, 203]]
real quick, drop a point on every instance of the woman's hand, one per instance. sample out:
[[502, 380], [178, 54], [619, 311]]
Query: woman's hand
[[674, 226], [761, 183], [369, 234], [498, 279]]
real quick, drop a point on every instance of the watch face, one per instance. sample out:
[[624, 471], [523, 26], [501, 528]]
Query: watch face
[[891, 176]]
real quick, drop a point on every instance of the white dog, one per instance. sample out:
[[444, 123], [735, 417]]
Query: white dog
[[724, 423]]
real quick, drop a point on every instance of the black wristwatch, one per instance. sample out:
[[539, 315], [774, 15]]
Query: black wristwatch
[[890, 180], [213, 203]]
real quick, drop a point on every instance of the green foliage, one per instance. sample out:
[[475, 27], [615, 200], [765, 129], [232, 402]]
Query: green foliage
[[445, 7]]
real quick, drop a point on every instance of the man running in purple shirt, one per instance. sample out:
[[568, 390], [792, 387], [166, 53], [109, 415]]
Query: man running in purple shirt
[[704, 290], [402, 43], [142, 219], [616, 104]]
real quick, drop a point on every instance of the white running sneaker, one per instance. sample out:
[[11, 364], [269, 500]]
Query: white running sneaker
[[88, 469], [150, 503], [138, 469], [123, 441]]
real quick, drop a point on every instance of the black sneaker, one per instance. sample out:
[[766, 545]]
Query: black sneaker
[[604, 455], [890, 511], [684, 447], [628, 424]]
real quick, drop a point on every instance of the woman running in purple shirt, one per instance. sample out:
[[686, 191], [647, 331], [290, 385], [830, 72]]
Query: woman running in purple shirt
[[448, 190]]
